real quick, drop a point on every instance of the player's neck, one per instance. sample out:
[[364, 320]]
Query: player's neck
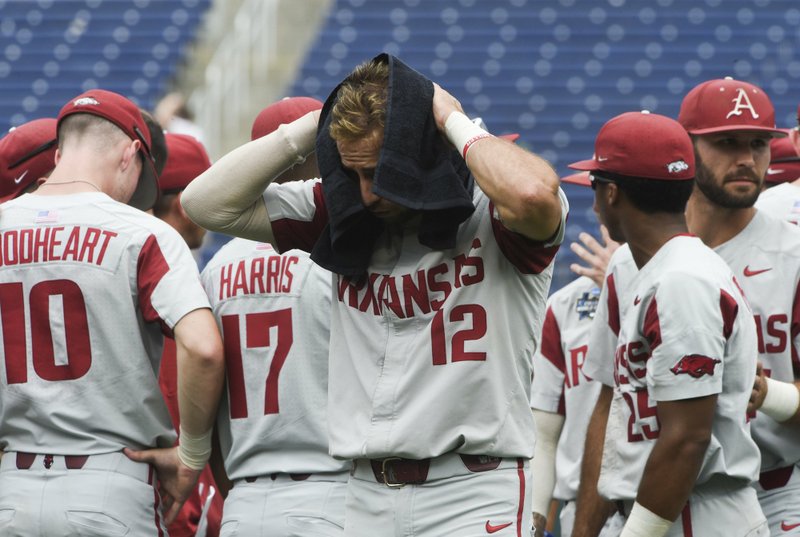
[[646, 236], [713, 223]]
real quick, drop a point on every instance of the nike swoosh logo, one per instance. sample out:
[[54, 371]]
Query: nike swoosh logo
[[773, 171], [19, 179], [748, 272], [602, 159], [495, 529], [789, 527], [637, 301]]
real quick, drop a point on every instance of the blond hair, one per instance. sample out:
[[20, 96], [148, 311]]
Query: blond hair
[[361, 102]]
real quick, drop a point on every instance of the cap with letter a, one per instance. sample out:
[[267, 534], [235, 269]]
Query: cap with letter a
[[642, 145], [726, 104], [123, 113], [27, 153]]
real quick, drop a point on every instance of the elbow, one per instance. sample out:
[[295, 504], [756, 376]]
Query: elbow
[[208, 354]]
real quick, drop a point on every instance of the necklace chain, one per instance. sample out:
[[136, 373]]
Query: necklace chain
[[47, 183]]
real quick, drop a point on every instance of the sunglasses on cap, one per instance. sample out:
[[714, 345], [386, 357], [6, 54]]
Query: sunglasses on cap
[[594, 179]]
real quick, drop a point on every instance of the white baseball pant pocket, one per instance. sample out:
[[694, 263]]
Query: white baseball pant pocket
[[300, 525], [94, 523]]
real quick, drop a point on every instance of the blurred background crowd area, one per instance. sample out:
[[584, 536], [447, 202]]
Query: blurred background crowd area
[[551, 70]]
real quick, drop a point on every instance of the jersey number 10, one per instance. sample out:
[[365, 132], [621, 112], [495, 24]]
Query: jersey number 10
[[257, 330], [75, 330]]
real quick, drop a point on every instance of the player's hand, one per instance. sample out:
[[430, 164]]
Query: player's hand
[[594, 254], [443, 105], [539, 525], [176, 480], [759, 390]]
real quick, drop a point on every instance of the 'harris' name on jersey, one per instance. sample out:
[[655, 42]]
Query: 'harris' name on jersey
[[260, 275], [427, 289], [83, 244]]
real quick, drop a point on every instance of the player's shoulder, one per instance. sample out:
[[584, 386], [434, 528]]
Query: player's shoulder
[[784, 232], [573, 289]]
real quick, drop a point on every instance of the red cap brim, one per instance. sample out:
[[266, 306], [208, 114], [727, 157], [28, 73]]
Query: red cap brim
[[585, 165], [581, 178], [776, 133]]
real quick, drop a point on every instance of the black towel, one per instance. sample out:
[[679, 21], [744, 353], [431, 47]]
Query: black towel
[[416, 169]]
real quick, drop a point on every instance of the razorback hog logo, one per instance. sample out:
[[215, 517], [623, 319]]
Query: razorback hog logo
[[695, 365]]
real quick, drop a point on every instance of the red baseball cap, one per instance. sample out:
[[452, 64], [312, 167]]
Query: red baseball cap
[[186, 159], [784, 164], [580, 178], [123, 113], [27, 153], [641, 144], [727, 105], [279, 113]]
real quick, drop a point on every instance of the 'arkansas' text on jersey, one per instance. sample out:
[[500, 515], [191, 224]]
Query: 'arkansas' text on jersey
[[426, 289]]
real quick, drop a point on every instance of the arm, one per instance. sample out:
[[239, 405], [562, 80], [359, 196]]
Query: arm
[[201, 370], [543, 466], [228, 196], [674, 462], [595, 255], [522, 186], [778, 400], [591, 510]]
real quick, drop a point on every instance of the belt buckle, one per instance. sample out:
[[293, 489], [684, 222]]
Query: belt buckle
[[385, 475]]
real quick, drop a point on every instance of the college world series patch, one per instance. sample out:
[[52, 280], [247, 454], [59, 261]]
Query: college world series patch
[[586, 305]]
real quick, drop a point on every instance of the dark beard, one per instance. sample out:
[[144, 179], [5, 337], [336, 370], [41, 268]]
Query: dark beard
[[717, 194]]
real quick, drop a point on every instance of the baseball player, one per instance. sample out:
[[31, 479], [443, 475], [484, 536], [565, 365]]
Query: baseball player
[[87, 286], [677, 449], [731, 123], [187, 158], [287, 477], [27, 155], [782, 196], [431, 343], [560, 396]]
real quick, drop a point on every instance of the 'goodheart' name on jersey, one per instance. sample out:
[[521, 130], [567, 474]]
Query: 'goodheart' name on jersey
[[272, 274], [411, 294], [59, 243]]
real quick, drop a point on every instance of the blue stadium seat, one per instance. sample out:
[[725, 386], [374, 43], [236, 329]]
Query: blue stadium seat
[[556, 71]]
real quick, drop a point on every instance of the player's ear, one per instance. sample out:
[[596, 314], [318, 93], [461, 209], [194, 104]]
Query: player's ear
[[794, 136], [130, 152], [613, 194]]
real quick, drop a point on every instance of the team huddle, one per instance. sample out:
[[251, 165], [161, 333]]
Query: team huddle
[[376, 353]]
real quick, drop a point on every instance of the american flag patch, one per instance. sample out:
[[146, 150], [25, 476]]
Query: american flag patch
[[46, 217]]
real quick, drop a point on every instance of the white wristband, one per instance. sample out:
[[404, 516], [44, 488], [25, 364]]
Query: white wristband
[[462, 132], [194, 450], [642, 522], [782, 400]]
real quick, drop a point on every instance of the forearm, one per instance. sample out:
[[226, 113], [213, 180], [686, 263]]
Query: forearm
[[670, 474], [228, 197], [591, 510], [201, 370], [543, 465], [522, 186]]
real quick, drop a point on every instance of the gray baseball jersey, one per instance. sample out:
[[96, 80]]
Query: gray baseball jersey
[[603, 334], [765, 257], [274, 313], [781, 201], [431, 353], [87, 285], [687, 332], [559, 384]]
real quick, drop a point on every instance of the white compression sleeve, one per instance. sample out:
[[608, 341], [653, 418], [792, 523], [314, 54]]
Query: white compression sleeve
[[543, 465], [228, 196]]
